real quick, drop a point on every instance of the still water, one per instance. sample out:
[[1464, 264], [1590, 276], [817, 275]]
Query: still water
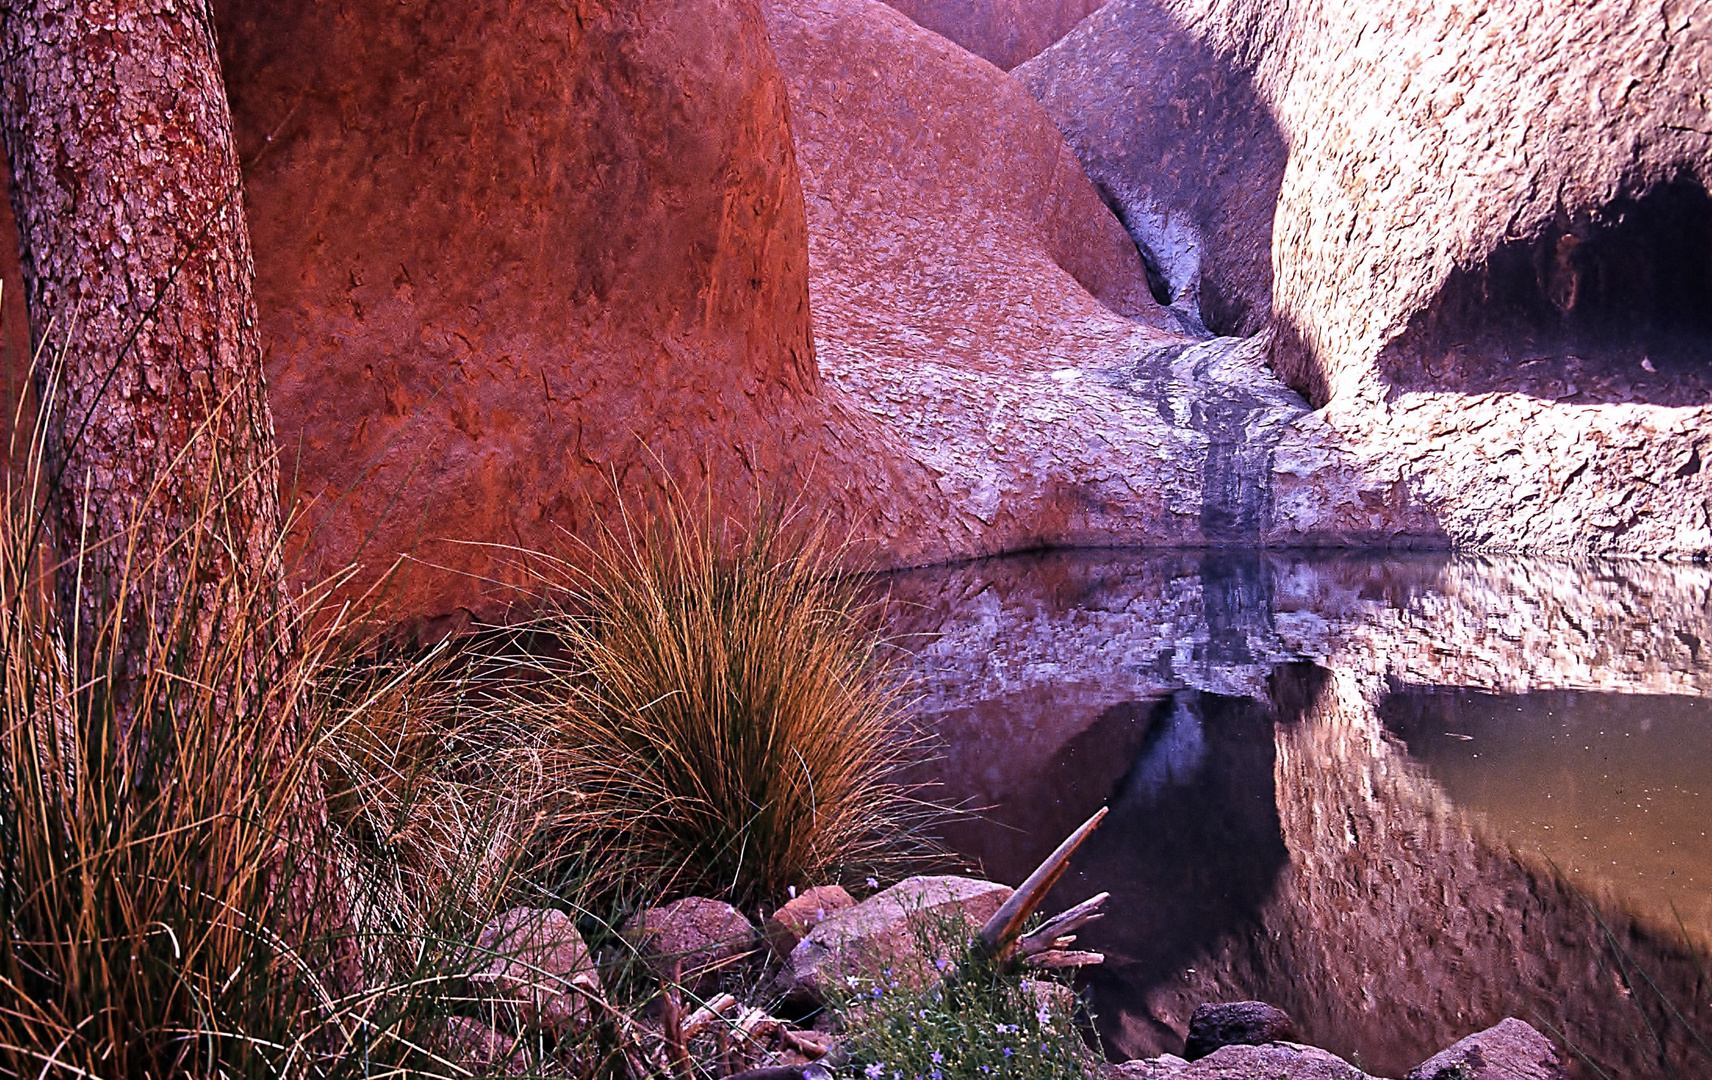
[[1401, 797]]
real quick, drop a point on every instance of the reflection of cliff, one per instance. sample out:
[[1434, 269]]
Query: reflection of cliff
[[1112, 625], [1278, 842], [1398, 927], [1503, 624]]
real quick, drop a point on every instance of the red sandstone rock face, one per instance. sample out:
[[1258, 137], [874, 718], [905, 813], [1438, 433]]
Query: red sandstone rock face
[[1005, 32], [1178, 138], [512, 257]]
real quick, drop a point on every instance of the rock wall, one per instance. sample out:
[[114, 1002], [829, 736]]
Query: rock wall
[[1491, 260], [511, 261], [973, 294], [1004, 32]]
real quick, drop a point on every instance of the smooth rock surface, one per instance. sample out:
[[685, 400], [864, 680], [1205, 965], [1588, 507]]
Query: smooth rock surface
[[1004, 32], [697, 933], [788, 925], [957, 268], [528, 957], [1510, 1050], [1235, 1023], [1183, 146], [1488, 262], [889, 931]]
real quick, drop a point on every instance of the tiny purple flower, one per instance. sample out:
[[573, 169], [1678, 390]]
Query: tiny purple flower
[[874, 1071], [1008, 1051], [938, 1058]]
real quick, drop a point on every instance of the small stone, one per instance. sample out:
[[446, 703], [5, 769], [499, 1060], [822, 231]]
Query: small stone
[[1235, 1023], [788, 925], [528, 957], [699, 934], [1509, 1050]]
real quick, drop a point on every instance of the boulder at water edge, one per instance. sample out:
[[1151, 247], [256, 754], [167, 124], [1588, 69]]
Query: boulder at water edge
[[1509, 1050]]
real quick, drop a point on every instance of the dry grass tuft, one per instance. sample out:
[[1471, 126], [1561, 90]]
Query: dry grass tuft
[[177, 900], [729, 715]]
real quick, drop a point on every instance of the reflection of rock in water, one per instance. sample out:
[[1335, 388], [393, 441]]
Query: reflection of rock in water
[[1312, 862], [1397, 928], [1190, 853]]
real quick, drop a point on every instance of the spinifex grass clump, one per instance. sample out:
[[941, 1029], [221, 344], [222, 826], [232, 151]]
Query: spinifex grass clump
[[176, 899], [981, 1023], [729, 714]]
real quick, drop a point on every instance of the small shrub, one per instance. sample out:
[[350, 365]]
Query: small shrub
[[979, 1024], [729, 714]]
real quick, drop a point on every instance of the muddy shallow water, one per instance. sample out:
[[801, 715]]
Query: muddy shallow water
[[1401, 797]]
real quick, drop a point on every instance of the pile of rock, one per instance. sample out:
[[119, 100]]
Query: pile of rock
[[1251, 1040]]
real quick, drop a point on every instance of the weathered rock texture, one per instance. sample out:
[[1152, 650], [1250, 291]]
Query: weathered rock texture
[[695, 935], [1235, 1023], [512, 258], [1005, 32], [788, 925], [1183, 147], [1492, 257], [969, 289]]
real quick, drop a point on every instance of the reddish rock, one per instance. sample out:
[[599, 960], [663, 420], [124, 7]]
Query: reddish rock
[[510, 258], [695, 934], [787, 926], [1184, 148], [1005, 32], [528, 957]]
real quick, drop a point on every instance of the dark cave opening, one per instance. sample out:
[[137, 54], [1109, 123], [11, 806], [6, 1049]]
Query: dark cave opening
[[1613, 306]]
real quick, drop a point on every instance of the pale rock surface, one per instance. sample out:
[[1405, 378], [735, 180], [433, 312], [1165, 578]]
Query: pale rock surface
[[888, 931], [1489, 258], [1273, 1061], [1510, 1050]]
